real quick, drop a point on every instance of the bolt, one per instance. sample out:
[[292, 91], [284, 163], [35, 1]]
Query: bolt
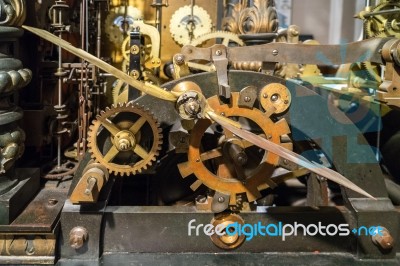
[[52, 202], [77, 237], [275, 52], [265, 95], [275, 97], [221, 199], [124, 144], [383, 239], [135, 74], [201, 199], [247, 99], [134, 49], [218, 52], [179, 59]]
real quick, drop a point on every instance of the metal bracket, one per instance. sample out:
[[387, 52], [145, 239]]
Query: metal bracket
[[220, 61], [134, 61]]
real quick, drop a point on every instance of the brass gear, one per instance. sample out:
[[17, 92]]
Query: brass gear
[[221, 178], [225, 35], [125, 138], [380, 25], [179, 24]]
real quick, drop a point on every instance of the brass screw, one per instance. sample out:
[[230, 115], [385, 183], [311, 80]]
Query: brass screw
[[135, 49], [179, 59]]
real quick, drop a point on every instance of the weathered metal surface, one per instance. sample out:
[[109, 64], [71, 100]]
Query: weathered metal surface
[[165, 229], [12, 202], [41, 214]]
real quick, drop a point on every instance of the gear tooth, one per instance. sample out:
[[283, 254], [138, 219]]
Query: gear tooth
[[232, 199]]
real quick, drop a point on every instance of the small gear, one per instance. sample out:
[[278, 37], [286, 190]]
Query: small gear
[[210, 161], [183, 28], [371, 71], [125, 138], [226, 37]]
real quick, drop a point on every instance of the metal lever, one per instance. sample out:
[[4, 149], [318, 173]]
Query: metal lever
[[220, 60]]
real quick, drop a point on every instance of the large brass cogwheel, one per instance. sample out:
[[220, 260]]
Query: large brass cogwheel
[[212, 167], [125, 138]]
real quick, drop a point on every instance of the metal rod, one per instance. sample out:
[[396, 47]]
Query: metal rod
[[382, 12], [59, 88]]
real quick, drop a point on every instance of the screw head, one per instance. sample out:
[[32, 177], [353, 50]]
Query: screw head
[[179, 59], [275, 52], [275, 97], [218, 52], [221, 199], [247, 99]]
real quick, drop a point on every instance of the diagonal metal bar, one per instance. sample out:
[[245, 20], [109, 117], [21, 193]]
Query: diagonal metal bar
[[289, 155], [144, 87]]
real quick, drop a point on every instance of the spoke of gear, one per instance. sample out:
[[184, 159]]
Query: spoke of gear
[[179, 25], [226, 37], [210, 164], [125, 138]]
